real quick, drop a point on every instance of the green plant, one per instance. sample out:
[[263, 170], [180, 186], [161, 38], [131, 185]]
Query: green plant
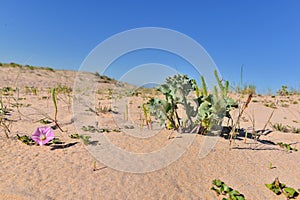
[[66, 91], [283, 91], [133, 92], [175, 90], [126, 113], [129, 127], [284, 105], [75, 136], [233, 130], [246, 89], [222, 189], [63, 89], [85, 138], [29, 141], [280, 127], [93, 129], [117, 130], [45, 121], [94, 166], [30, 67], [7, 91], [26, 139], [5, 123], [286, 146], [147, 116], [203, 111], [295, 130], [100, 109], [54, 99], [271, 105], [54, 120], [31, 90], [110, 94], [12, 64], [56, 141], [103, 109], [271, 166], [279, 188], [49, 69], [34, 90]]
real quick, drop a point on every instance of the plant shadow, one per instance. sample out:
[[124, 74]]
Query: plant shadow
[[241, 134], [93, 143], [63, 146], [257, 149], [100, 168]]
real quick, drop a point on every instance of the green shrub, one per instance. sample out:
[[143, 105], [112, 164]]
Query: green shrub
[[203, 110], [283, 91]]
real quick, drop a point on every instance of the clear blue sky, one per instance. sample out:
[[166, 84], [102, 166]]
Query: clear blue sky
[[264, 36]]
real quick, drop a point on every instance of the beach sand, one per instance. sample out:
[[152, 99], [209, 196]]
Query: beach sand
[[66, 172]]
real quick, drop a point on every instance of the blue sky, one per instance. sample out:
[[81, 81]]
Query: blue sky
[[263, 36]]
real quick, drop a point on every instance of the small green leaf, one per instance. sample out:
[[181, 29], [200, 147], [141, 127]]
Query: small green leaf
[[282, 185], [227, 189], [290, 192], [56, 141], [270, 186], [217, 182], [221, 189], [235, 192], [45, 121], [75, 136], [276, 191], [240, 197]]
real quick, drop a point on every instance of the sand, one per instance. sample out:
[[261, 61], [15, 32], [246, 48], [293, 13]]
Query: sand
[[54, 172]]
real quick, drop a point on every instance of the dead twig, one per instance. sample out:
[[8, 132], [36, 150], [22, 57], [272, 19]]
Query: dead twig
[[232, 132]]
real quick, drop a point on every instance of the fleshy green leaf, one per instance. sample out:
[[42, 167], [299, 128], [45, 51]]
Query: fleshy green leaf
[[290, 192], [234, 192], [270, 186], [240, 197], [227, 189], [218, 182]]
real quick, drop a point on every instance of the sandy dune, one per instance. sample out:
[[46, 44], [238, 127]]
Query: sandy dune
[[66, 172]]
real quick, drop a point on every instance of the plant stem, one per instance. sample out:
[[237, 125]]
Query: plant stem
[[55, 103], [55, 107], [145, 114], [239, 117]]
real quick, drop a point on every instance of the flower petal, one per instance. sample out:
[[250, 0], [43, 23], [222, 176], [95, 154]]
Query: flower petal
[[49, 132], [46, 131]]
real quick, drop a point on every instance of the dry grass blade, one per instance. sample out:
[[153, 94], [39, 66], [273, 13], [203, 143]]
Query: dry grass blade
[[232, 132], [268, 120]]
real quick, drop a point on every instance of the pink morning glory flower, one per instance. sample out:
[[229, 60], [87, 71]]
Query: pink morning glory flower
[[42, 135]]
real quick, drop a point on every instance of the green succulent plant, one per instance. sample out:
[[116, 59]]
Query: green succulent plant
[[202, 109], [222, 189], [286, 146], [280, 188]]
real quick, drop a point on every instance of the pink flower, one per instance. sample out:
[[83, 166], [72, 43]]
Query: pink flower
[[42, 135]]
